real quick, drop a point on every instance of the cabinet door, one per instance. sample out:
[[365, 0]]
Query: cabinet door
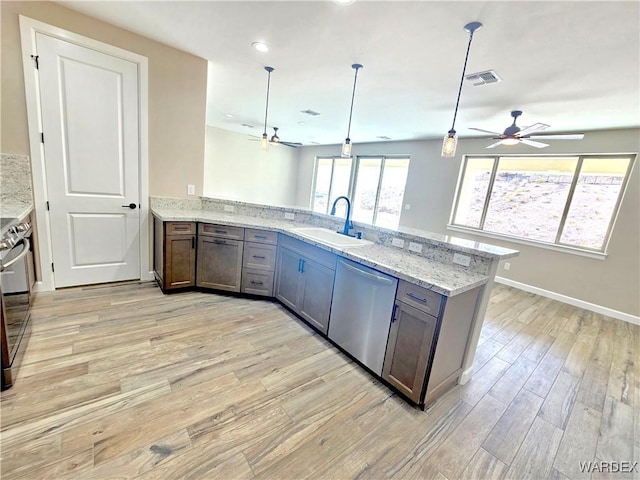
[[409, 350], [288, 278], [219, 263], [180, 261], [315, 304]]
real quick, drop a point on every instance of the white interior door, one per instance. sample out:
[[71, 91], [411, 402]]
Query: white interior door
[[89, 104]]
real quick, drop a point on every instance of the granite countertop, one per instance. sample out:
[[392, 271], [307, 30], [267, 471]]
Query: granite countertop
[[446, 279]]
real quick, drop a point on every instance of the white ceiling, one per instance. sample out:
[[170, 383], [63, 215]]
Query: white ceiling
[[572, 64]]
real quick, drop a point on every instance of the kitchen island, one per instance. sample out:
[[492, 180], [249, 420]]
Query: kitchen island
[[438, 302]]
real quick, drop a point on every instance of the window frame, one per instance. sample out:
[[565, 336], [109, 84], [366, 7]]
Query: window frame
[[355, 166], [556, 244]]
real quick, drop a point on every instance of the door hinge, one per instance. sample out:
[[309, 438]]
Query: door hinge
[[48, 205], [52, 267], [41, 137], [36, 62]]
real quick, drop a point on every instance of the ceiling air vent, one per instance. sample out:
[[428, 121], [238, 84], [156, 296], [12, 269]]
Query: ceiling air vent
[[246, 125], [482, 78], [383, 137], [310, 112]]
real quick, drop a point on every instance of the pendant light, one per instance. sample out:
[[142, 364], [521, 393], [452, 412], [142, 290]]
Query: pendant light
[[450, 141], [264, 142], [346, 146]]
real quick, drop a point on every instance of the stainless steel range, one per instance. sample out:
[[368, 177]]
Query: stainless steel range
[[16, 287]]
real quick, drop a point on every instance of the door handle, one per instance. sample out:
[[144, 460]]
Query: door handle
[[132, 206]]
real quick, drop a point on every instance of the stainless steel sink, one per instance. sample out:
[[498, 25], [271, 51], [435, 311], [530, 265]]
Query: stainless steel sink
[[330, 237]]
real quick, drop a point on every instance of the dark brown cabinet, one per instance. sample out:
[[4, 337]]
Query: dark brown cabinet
[[304, 281], [427, 341], [219, 257], [408, 350], [174, 254]]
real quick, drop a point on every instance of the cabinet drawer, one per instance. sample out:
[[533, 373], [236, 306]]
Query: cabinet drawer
[[180, 228], [420, 298], [259, 256], [260, 236], [257, 282], [221, 231]]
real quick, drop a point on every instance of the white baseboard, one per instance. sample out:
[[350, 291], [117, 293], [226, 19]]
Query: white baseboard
[[626, 317], [466, 376]]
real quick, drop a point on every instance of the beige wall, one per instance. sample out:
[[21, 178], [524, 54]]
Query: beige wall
[[237, 169], [612, 283], [177, 94]]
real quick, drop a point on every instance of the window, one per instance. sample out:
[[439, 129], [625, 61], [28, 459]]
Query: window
[[374, 184], [562, 200]]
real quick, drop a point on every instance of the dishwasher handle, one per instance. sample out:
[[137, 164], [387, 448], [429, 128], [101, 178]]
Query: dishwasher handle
[[371, 276]]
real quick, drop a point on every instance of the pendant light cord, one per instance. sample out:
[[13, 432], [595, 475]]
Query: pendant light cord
[[464, 69], [266, 108], [353, 94]]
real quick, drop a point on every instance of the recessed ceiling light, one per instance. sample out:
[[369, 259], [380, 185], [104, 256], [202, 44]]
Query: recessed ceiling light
[[228, 115], [302, 124], [260, 46], [343, 2]]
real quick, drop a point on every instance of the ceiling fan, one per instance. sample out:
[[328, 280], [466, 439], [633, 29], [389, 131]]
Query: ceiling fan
[[513, 134], [275, 140]]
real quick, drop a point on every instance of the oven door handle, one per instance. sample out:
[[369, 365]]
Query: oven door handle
[[26, 246]]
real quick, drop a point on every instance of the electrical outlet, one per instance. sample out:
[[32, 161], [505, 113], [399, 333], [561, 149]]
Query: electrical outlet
[[397, 242], [191, 189], [229, 208], [415, 247], [464, 260], [507, 265], [407, 206], [289, 215]]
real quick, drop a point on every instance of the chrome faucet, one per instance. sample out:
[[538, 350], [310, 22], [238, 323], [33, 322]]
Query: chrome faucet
[[347, 221]]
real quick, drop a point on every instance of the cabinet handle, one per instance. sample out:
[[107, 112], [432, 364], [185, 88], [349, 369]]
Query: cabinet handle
[[193, 242], [220, 231], [259, 256], [394, 315], [220, 242], [301, 265], [257, 283], [260, 236], [415, 297]]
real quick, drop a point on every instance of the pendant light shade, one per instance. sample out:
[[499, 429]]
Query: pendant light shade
[[450, 141], [346, 146], [264, 141]]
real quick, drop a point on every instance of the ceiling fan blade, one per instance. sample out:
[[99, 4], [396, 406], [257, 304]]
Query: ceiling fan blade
[[558, 136], [532, 143], [493, 145], [484, 131], [291, 144], [536, 127]]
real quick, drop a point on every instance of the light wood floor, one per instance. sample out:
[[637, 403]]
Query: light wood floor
[[123, 381]]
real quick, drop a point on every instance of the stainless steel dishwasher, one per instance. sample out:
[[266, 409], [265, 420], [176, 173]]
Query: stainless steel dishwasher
[[363, 300]]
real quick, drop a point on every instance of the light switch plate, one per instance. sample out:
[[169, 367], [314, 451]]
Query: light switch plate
[[229, 208], [415, 247], [191, 189], [397, 242], [289, 215], [463, 260]]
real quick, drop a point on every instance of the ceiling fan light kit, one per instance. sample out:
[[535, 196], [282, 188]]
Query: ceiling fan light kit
[[450, 141], [346, 146]]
